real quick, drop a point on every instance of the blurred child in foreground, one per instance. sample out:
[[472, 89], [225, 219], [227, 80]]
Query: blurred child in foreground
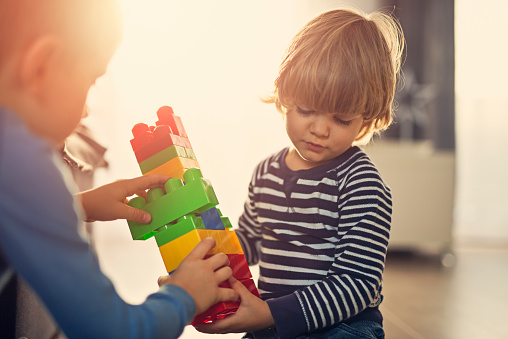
[[51, 52]]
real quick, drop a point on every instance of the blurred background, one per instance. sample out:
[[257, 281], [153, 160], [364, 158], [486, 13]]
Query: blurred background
[[445, 158]]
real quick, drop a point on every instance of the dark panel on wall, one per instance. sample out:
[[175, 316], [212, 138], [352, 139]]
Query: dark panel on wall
[[427, 100]]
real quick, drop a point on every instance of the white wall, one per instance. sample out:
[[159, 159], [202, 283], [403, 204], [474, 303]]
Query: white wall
[[211, 61], [481, 119]]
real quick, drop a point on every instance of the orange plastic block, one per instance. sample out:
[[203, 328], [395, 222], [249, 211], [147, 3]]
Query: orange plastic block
[[174, 165], [166, 154], [227, 242]]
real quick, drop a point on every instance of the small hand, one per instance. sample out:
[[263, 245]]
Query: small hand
[[201, 277], [253, 314], [108, 202]]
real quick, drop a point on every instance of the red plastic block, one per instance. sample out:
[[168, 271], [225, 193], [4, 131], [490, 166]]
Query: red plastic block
[[216, 312], [239, 265], [223, 309], [149, 140], [251, 286], [167, 117]]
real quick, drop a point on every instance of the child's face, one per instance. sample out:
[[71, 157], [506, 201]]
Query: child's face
[[318, 137]]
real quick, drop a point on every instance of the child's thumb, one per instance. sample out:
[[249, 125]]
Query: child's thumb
[[137, 215], [238, 287]]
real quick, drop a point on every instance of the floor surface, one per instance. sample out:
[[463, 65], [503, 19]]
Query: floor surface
[[423, 299]]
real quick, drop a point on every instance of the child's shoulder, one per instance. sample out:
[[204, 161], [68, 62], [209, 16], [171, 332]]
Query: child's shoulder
[[273, 162], [21, 151], [360, 166], [15, 134], [274, 158]]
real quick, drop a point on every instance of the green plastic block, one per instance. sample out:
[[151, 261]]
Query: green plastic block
[[195, 196], [190, 153], [225, 220], [164, 156], [139, 232], [183, 225]]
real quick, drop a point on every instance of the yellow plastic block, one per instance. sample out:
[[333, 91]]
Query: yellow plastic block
[[175, 251], [175, 165]]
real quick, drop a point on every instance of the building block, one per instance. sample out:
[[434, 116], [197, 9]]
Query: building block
[[223, 309], [172, 166], [212, 219], [140, 231], [182, 226], [174, 248], [167, 117], [227, 242], [216, 312], [184, 212], [164, 155], [197, 195], [158, 137], [239, 265], [175, 251]]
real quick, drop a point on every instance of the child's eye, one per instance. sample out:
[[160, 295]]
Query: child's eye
[[340, 121], [303, 111]]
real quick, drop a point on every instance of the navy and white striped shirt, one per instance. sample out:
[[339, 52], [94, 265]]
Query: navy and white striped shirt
[[320, 237]]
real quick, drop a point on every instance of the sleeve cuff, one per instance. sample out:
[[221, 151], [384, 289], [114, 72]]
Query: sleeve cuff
[[288, 315], [186, 300]]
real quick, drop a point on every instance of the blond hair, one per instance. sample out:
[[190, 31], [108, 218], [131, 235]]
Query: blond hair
[[343, 61]]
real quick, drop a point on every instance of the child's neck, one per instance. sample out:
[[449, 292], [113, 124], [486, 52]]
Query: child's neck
[[296, 163]]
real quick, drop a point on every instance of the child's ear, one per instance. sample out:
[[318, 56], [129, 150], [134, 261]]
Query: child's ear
[[37, 62]]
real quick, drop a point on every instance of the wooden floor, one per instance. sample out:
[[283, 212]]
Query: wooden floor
[[423, 299], [468, 300]]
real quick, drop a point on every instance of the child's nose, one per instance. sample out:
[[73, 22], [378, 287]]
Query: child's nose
[[319, 126]]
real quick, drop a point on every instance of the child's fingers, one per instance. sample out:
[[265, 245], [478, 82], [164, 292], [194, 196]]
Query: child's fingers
[[163, 280], [238, 287], [218, 260], [202, 248], [223, 273], [227, 294], [144, 182], [135, 214]]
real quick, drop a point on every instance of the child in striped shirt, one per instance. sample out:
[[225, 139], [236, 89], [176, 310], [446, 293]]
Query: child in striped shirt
[[317, 216]]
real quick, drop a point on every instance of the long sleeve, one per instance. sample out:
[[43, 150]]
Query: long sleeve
[[39, 239], [249, 229]]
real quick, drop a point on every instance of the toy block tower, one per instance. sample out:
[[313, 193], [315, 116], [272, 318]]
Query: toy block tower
[[184, 212]]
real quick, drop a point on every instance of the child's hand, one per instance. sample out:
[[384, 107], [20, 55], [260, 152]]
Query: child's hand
[[253, 314], [201, 277], [108, 202]]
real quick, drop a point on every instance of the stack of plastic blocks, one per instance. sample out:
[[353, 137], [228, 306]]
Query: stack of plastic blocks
[[184, 212]]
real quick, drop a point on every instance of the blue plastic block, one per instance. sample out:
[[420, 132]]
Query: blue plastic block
[[212, 219]]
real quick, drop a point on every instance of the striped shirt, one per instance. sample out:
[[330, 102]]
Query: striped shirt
[[320, 237]]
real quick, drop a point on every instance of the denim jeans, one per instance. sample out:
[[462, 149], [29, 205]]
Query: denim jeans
[[356, 330]]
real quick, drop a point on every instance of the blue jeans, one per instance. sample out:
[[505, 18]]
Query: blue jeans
[[356, 330]]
